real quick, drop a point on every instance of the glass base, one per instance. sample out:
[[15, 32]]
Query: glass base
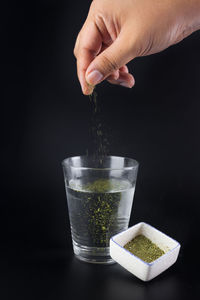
[[93, 255]]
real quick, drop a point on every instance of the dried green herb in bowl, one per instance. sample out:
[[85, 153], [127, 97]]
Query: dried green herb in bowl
[[144, 248]]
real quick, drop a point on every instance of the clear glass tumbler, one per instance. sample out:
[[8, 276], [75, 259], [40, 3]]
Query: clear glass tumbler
[[99, 196]]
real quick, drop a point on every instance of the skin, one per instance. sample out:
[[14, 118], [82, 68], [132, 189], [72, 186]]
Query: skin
[[115, 32]]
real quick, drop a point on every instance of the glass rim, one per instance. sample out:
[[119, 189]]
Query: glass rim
[[65, 162]]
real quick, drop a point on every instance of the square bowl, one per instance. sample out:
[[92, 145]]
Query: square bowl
[[141, 269]]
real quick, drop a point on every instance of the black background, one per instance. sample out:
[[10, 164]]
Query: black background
[[46, 119]]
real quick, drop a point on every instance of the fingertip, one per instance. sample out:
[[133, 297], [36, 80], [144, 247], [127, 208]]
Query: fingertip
[[125, 84], [90, 89], [87, 89], [132, 80], [127, 77], [125, 80]]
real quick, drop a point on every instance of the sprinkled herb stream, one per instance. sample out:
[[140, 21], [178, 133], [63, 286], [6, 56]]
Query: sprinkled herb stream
[[98, 135], [96, 207]]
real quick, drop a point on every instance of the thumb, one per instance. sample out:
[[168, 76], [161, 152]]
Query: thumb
[[111, 59]]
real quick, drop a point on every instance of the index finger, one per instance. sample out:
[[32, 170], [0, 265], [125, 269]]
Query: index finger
[[87, 46]]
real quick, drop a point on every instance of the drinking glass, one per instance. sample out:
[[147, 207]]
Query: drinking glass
[[99, 195]]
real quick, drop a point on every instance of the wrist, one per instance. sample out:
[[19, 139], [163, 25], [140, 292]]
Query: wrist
[[190, 14]]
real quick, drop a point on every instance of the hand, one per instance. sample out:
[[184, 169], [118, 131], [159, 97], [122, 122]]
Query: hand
[[116, 31]]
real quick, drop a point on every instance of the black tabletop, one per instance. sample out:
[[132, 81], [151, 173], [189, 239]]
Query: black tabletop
[[59, 275]]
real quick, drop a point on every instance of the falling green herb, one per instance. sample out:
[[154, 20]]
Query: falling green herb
[[91, 89], [143, 248], [98, 134]]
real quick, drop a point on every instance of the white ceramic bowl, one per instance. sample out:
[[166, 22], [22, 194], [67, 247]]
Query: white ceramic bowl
[[141, 269]]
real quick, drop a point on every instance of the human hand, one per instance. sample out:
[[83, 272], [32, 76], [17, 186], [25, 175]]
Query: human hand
[[115, 32]]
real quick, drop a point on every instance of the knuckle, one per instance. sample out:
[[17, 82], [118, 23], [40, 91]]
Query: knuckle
[[92, 5], [75, 52], [109, 64]]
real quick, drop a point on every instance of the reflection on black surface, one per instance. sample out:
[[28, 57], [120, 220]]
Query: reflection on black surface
[[113, 281], [51, 276]]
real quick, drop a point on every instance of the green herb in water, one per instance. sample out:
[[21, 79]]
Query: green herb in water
[[103, 186], [143, 248], [96, 208]]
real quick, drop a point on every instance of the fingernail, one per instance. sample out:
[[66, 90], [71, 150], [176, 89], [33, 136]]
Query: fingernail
[[94, 77], [125, 84]]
